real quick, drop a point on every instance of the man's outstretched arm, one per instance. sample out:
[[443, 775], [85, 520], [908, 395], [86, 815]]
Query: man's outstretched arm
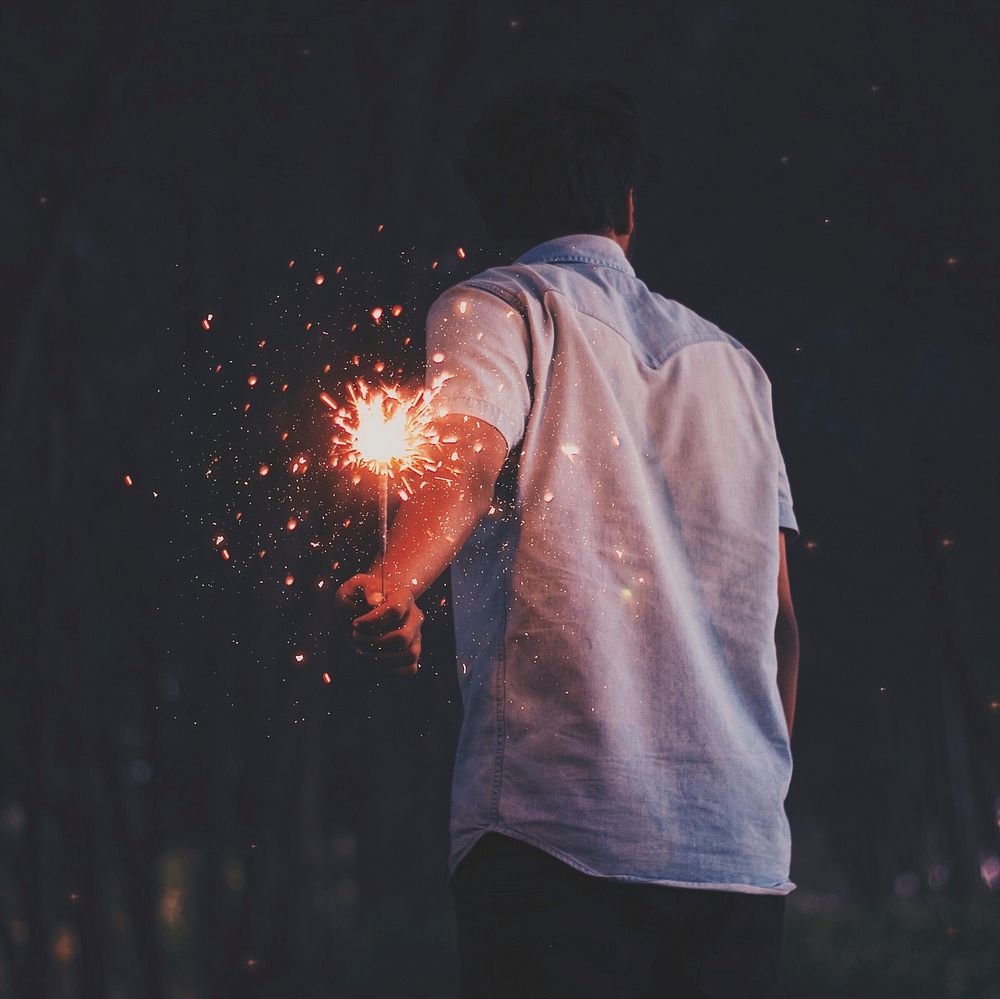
[[427, 533], [786, 639]]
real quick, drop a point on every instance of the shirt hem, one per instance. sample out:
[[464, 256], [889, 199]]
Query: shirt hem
[[784, 888]]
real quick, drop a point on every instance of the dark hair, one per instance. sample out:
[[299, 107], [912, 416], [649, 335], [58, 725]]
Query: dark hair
[[556, 158]]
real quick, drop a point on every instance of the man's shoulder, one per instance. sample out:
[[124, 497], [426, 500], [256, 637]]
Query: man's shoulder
[[505, 282]]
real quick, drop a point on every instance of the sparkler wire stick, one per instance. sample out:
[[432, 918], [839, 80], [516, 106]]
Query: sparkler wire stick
[[383, 481]]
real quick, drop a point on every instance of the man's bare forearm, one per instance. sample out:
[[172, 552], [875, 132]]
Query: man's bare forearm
[[786, 640], [429, 530], [433, 524]]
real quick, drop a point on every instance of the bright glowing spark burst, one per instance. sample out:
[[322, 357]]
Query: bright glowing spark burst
[[386, 430]]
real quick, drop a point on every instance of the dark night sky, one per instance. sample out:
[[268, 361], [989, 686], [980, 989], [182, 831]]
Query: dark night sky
[[829, 199]]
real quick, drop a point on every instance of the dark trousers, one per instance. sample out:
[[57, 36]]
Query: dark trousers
[[532, 927]]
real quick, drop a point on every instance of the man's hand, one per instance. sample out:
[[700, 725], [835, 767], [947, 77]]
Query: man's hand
[[384, 627]]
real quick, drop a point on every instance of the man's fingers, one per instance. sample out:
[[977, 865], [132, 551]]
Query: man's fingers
[[387, 615], [391, 641], [403, 657], [350, 596]]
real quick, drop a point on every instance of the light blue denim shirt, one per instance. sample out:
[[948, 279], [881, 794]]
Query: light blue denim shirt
[[615, 612]]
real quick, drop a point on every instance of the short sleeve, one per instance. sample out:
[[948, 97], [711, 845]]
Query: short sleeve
[[786, 513], [478, 353]]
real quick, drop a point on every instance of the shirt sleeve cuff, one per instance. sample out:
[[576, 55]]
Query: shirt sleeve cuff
[[786, 519], [511, 427]]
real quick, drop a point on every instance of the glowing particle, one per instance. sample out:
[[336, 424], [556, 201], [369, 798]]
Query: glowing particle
[[319, 279], [128, 480], [320, 583], [292, 524], [381, 226], [615, 441], [463, 307], [626, 594], [347, 522], [547, 497], [206, 323], [239, 515], [291, 263], [434, 265], [326, 678], [570, 450], [356, 360], [309, 326], [477, 447], [461, 253], [438, 357], [263, 470], [225, 554], [289, 579], [252, 380], [340, 267], [218, 540], [218, 368], [300, 657], [947, 542], [406, 341], [397, 310], [380, 366], [246, 407], [376, 313]]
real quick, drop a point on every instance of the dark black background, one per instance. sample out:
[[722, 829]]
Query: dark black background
[[184, 809]]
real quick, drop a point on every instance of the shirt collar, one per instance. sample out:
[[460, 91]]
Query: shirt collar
[[583, 247]]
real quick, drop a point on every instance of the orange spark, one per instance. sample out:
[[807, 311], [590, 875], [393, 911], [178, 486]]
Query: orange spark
[[252, 380], [263, 470], [319, 279], [128, 480], [397, 310], [461, 253], [326, 678]]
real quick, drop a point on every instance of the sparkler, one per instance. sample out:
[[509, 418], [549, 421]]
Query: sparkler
[[390, 432]]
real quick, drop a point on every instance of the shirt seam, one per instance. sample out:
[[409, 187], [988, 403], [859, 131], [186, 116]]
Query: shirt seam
[[654, 361], [576, 258]]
